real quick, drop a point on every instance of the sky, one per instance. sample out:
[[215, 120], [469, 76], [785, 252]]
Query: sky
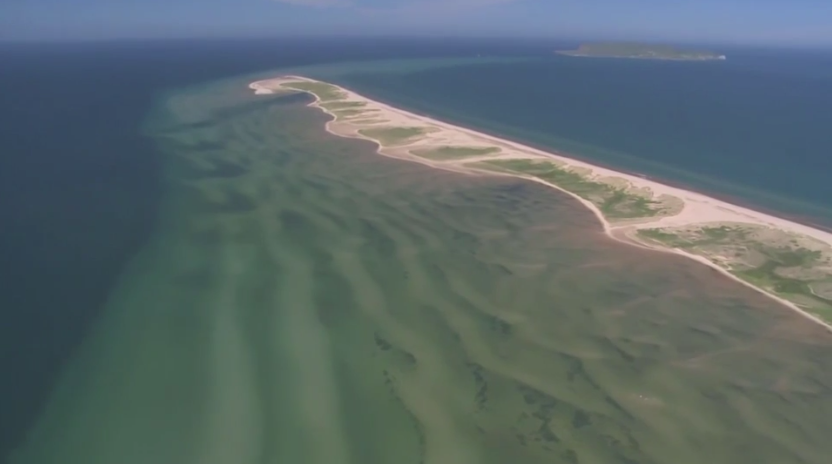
[[790, 22]]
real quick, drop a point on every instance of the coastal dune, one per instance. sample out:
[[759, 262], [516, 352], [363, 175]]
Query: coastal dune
[[632, 209]]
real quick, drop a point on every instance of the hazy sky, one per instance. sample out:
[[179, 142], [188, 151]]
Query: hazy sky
[[751, 21]]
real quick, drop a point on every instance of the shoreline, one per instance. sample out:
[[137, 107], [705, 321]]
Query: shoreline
[[696, 209], [805, 219]]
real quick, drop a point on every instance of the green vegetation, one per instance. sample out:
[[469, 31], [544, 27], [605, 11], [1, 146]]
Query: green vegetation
[[614, 202], [325, 92], [718, 233], [643, 51], [449, 153], [761, 264], [659, 236], [766, 276], [368, 120], [392, 135], [347, 113], [342, 105], [705, 236], [522, 166]]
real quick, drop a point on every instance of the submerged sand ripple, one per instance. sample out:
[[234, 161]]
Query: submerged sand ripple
[[306, 301]]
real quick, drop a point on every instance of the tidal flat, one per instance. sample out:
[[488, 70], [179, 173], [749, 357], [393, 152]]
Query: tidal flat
[[307, 300]]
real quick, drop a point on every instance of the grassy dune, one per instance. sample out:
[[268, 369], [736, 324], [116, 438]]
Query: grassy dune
[[338, 105], [614, 202], [388, 136], [455, 152], [776, 262], [325, 92]]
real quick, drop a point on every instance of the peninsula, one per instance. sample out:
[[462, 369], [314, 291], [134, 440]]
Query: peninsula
[[787, 261], [640, 51]]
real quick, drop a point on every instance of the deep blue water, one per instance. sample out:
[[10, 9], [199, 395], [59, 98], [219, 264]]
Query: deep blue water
[[79, 185]]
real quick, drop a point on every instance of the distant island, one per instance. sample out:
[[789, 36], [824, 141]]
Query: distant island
[[641, 51]]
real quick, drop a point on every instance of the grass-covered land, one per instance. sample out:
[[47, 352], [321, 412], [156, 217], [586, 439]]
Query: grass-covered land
[[343, 105], [671, 240], [393, 135], [707, 236], [325, 92], [767, 275], [614, 202], [347, 113], [451, 153], [368, 120], [772, 262]]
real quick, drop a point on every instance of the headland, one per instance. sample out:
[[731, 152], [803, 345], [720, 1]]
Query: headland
[[787, 261]]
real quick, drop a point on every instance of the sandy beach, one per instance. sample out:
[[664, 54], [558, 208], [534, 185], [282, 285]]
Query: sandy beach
[[356, 116]]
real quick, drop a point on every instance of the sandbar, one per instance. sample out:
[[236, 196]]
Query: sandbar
[[782, 259]]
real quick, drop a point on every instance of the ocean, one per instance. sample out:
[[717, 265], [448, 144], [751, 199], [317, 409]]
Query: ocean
[[79, 181], [195, 274]]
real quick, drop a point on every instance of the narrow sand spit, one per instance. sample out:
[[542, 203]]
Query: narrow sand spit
[[430, 134]]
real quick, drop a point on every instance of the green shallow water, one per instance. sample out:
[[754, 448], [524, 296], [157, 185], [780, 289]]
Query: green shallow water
[[306, 300]]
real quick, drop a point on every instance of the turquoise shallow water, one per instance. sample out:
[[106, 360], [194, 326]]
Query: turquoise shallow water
[[306, 300]]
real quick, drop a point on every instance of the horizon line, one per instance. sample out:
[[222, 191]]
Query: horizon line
[[418, 37]]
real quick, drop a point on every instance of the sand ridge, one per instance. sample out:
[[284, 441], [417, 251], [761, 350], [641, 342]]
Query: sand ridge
[[426, 134]]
